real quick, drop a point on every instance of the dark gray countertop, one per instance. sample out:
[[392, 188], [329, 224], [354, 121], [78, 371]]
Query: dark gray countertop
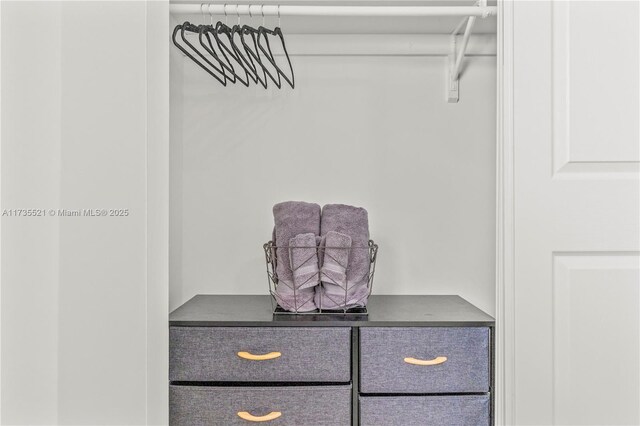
[[397, 311]]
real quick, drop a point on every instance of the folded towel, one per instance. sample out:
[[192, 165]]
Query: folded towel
[[353, 222], [336, 259], [331, 297], [293, 218], [304, 261]]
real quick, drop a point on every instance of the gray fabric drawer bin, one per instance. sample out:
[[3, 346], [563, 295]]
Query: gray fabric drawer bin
[[297, 405], [454, 410], [383, 368], [308, 354]]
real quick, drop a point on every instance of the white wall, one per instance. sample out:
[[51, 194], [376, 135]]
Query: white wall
[[373, 131], [31, 159], [74, 289]]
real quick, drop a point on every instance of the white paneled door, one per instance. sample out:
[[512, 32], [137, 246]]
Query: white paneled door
[[577, 213]]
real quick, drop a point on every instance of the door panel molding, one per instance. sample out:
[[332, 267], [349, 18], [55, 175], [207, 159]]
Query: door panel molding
[[566, 163], [594, 293]]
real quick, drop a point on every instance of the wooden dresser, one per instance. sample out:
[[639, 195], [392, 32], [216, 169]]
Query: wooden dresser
[[414, 360]]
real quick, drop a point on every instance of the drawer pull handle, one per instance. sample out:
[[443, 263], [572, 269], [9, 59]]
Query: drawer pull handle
[[251, 418], [435, 361], [252, 357]]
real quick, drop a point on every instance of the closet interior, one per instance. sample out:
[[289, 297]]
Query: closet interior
[[377, 118]]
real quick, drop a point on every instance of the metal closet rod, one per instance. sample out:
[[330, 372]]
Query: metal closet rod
[[355, 11]]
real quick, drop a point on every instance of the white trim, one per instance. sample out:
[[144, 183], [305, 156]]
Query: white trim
[[505, 221], [157, 210], [0, 222]]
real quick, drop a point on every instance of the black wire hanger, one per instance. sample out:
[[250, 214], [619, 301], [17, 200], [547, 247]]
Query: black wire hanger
[[277, 31], [255, 34], [180, 27], [210, 29], [256, 65]]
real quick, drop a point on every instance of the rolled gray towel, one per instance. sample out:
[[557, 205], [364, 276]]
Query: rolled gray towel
[[354, 222], [293, 218]]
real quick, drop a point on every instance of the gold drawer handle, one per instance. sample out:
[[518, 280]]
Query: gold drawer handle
[[251, 418], [252, 357], [435, 361]]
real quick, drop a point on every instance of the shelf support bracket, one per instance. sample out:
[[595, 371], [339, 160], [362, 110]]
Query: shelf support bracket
[[456, 55]]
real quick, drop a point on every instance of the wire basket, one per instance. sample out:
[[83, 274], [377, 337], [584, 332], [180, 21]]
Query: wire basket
[[333, 288]]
